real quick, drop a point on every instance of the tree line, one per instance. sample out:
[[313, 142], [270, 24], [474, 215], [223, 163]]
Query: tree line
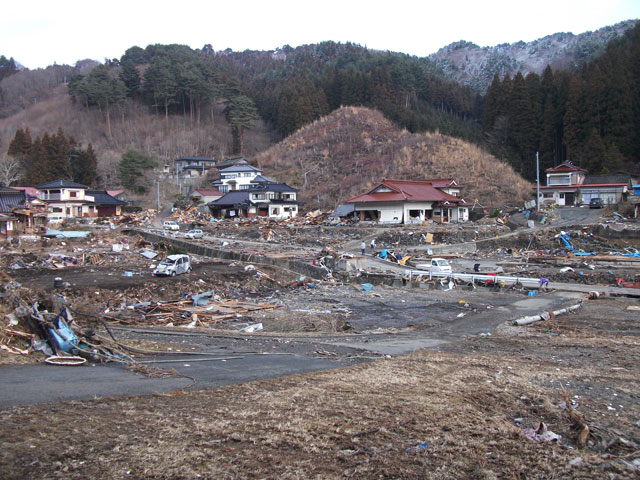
[[590, 116], [51, 157], [175, 80]]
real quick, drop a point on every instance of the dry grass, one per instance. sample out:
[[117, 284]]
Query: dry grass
[[356, 422], [352, 149]]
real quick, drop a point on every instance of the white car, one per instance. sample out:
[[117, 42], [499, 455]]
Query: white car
[[173, 265], [439, 265], [169, 225], [196, 233]]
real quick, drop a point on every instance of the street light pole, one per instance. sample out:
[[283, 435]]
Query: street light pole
[[537, 182]]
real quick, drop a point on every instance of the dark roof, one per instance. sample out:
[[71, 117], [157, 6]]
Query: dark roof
[[231, 199], [101, 197], [606, 179], [263, 179], [272, 187], [60, 184], [240, 168], [232, 161], [195, 159], [10, 199]]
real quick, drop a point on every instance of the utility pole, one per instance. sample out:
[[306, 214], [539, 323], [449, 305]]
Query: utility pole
[[537, 182], [158, 195]]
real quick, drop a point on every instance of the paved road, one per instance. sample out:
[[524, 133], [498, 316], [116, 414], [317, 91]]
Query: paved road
[[34, 384]]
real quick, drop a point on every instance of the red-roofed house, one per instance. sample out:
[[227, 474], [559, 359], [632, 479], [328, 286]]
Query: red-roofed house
[[413, 201], [568, 185], [206, 195]]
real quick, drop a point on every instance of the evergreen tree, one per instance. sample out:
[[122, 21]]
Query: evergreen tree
[[241, 114], [133, 169], [523, 131], [130, 78], [83, 164], [160, 84]]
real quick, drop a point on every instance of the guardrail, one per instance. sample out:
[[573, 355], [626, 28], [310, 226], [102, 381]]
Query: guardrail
[[473, 277]]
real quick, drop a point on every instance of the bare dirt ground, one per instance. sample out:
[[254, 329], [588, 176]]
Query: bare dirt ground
[[466, 409], [460, 413]]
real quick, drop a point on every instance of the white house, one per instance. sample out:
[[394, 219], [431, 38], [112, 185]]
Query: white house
[[568, 185], [413, 201]]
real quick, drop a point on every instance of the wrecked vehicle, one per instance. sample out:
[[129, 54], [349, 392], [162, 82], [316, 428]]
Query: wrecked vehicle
[[169, 225], [173, 265], [196, 233]]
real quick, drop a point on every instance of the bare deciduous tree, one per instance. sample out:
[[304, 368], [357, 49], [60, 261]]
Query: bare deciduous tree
[[10, 170]]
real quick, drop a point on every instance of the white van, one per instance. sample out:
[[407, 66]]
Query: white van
[[437, 265], [169, 225], [173, 265]]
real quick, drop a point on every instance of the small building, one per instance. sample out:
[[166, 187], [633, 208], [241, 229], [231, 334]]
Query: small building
[[191, 166], [205, 195], [66, 199], [413, 201], [569, 185], [18, 215], [104, 205], [273, 200], [236, 177]]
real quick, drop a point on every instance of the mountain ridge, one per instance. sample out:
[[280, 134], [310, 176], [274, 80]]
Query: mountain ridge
[[475, 66]]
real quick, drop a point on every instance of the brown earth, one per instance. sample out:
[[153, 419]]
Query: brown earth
[[469, 404]]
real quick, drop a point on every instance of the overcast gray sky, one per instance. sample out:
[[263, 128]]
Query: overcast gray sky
[[38, 33]]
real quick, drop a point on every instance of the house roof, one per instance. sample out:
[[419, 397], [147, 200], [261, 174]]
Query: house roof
[[101, 197], [232, 199], [263, 179], [607, 179], [272, 187], [443, 182], [195, 159], [232, 161], [31, 191], [115, 193], [207, 192], [407, 191], [565, 167], [61, 184], [240, 168], [10, 199]]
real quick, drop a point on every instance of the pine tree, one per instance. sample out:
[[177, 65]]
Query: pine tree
[[130, 78], [241, 114]]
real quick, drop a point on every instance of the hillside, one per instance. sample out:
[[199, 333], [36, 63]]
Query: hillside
[[475, 66], [134, 126], [349, 151]]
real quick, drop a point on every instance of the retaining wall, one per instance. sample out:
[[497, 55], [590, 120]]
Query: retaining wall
[[200, 248]]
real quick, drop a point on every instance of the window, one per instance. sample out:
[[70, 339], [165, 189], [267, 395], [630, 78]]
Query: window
[[56, 210], [73, 194], [547, 195]]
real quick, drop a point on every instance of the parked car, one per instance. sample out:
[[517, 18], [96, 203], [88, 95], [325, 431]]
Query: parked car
[[173, 265], [169, 225], [595, 203], [437, 265], [196, 233]]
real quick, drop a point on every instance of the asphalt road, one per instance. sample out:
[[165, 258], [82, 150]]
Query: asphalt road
[[35, 384]]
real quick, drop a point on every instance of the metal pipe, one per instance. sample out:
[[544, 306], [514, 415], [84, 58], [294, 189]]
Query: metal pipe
[[472, 277]]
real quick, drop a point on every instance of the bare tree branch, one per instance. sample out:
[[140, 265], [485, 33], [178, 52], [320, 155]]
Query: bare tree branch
[[10, 170]]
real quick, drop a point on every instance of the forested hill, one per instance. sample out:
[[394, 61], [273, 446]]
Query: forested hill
[[589, 115]]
